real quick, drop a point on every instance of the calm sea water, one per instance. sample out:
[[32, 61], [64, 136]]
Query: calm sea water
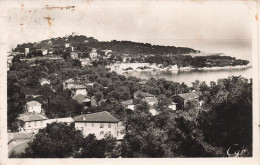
[[190, 76]]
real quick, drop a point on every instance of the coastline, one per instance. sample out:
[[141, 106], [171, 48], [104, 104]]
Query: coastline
[[130, 67]]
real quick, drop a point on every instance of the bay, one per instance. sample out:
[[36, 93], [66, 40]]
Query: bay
[[190, 76]]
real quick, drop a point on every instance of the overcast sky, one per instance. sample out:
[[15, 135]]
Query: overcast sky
[[208, 26]]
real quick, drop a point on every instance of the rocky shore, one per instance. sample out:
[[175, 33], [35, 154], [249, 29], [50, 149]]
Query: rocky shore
[[128, 67]]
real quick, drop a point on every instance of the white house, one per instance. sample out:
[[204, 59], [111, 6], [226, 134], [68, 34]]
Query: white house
[[128, 104], [44, 81], [33, 106], [99, 124], [16, 138], [26, 51], [74, 55], [93, 54], [67, 84], [67, 120], [78, 89], [32, 122], [67, 45], [83, 99], [85, 61], [173, 106], [44, 51]]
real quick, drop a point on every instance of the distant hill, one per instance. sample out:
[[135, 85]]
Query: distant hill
[[125, 47]]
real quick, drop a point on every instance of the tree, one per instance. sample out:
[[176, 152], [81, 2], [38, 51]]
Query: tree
[[227, 118], [92, 148], [57, 140], [15, 102]]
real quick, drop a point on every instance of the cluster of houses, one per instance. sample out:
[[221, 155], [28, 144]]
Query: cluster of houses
[[178, 101], [100, 123]]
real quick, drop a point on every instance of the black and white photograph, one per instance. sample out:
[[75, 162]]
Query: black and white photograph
[[129, 79]]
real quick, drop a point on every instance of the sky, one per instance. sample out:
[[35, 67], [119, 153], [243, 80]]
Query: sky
[[209, 26]]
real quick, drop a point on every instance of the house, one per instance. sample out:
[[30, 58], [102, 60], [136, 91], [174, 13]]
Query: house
[[26, 51], [99, 124], [140, 94], [142, 83], [128, 104], [67, 120], [173, 106], [126, 58], [85, 61], [152, 101], [78, 89], [83, 99], [153, 112], [106, 52], [17, 138], [44, 81], [93, 101], [93, 54], [183, 98], [32, 122], [67, 45], [74, 55], [67, 84], [44, 51], [90, 84], [33, 106]]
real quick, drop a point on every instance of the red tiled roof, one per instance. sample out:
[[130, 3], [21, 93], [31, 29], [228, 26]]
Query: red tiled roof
[[96, 117], [32, 117]]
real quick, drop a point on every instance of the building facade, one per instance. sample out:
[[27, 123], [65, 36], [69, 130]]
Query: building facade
[[100, 124], [33, 106], [79, 89], [32, 122]]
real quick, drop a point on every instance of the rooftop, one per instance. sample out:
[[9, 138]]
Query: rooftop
[[142, 82], [81, 98], [32, 117], [96, 117], [69, 80], [127, 102], [65, 120], [152, 99], [17, 135], [33, 103], [78, 87], [188, 96], [144, 94], [43, 79]]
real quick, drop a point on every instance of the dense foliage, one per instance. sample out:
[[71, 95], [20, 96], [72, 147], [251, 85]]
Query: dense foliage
[[59, 140]]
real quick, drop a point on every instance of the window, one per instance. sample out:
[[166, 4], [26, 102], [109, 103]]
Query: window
[[109, 125], [109, 132], [101, 125], [35, 123], [101, 133], [41, 123], [86, 124], [29, 124], [92, 124]]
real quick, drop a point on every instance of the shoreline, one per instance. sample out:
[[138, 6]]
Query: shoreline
[[131, 67]]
